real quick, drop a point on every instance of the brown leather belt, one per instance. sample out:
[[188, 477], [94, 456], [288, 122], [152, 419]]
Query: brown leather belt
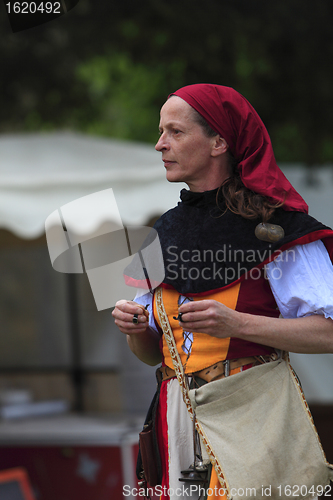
[[218, 370]]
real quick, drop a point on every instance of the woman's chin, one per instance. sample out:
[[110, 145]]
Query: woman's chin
[[173, 177]]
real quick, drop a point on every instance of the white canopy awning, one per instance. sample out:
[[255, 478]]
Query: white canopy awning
[[41, 172]]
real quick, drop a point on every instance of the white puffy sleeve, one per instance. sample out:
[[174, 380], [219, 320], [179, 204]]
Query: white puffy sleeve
[[301, 279]]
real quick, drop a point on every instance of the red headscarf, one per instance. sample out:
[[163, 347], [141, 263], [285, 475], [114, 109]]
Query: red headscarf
[[232, 116]]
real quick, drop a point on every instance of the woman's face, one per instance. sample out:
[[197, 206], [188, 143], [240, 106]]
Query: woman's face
[[188, 154]]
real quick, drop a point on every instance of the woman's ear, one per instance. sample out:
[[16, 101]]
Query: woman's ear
[[220, 146]]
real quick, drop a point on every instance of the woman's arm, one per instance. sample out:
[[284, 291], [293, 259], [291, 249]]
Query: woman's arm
[[302, 283], [312, 334], [141, 338]]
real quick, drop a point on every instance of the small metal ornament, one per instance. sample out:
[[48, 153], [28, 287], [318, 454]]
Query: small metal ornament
[[269, 232], [179, 317], [196, 473]]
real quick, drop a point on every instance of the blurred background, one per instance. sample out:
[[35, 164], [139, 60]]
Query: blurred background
[[79, 111]]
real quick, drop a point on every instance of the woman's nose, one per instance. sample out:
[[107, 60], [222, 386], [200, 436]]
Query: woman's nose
[[161, 143]]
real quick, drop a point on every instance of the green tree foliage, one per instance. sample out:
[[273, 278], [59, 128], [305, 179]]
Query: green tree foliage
[[125, 96], [106, 67]]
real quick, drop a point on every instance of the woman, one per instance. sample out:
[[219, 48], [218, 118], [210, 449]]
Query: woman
[[226, 283]]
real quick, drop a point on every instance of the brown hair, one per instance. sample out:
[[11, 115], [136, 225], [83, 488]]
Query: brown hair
[[238, 198], [242, 201]]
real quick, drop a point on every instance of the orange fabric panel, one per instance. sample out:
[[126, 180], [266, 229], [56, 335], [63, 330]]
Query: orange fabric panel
[[215, 491], [206, 350]]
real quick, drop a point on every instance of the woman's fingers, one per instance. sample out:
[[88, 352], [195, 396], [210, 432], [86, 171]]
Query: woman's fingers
[[210, 317], [197, 310], [130, 317]]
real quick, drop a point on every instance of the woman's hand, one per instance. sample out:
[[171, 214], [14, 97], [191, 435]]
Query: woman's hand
[[123, 314], [142, 340], [210, 317]]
